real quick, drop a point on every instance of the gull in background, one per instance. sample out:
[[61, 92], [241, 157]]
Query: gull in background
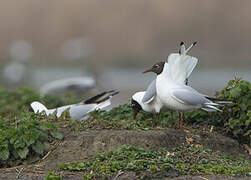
[[81, 110], [73, 84]]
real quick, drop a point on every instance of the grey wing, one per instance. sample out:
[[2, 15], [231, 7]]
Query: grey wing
[[150, 92], [189, 96], [79, 111]]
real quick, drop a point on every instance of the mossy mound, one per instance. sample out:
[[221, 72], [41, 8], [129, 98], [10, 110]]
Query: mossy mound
[[183, 160]]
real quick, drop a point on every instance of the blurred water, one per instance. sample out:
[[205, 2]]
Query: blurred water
[[129, 81], [205, 80]]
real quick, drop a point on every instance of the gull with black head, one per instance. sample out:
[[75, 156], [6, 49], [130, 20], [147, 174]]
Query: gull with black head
[[159, 66], [147, 101], [172, 90]]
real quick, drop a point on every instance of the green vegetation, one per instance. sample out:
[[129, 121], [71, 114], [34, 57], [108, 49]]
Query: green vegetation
[[25, 138], [53, 176], [118, 118], [182, 160], [13, 103], [122, 117], [235, 120]]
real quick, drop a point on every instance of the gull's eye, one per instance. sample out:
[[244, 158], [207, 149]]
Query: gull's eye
[[156, 66]]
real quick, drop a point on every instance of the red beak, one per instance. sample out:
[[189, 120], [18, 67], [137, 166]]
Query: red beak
[[148, 70]]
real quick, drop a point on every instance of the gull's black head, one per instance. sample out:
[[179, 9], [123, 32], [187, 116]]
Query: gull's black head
[[156, 68], [136, 107]]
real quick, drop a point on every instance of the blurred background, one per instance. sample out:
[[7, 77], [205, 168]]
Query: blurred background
[[94, 45]]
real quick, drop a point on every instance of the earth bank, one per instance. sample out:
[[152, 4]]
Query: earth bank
[[80, 145]]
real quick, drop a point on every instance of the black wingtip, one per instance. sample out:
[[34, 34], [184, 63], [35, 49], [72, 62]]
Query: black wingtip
[[194, 43], [115, 93], [182, 43], [101, 97], [111, 91]]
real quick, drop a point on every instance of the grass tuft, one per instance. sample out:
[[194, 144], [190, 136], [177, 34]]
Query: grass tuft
[[182, 160]]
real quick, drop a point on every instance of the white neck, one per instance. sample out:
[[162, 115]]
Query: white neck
[[166, 74]]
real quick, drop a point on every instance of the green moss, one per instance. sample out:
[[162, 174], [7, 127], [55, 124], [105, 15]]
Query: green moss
[[187, 160]]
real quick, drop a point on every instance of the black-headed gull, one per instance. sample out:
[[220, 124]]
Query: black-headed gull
[[73, 84], [78, 111], [173, 92], [148, 100]]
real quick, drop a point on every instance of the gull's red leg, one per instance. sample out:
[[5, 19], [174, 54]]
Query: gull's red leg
[[179, 114], [183, 119], [172, 118], [155, 120]]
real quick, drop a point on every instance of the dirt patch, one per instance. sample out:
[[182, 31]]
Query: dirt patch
[[78, 146]]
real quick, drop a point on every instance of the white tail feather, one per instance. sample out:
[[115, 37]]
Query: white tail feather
[[212, 107], [208, 109], [224, 102], [182, 49], [190, 47], [212, 103], [38, 107]]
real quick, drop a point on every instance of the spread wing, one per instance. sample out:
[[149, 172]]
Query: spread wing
[[101, 97], [150, 92], [181, 66], [77, 112]]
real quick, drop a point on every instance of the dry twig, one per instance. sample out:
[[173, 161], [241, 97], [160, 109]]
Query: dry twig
[[119, 173]]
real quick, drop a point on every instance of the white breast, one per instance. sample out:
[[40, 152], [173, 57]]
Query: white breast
[[163, 87], [153, 106]]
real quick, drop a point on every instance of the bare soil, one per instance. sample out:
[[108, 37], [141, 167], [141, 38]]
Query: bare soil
[[77, 146]]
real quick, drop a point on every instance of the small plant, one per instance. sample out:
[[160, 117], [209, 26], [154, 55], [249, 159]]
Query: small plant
[[236, 117], [25, 138], [53, 176], [235, 120], [182, 160]]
